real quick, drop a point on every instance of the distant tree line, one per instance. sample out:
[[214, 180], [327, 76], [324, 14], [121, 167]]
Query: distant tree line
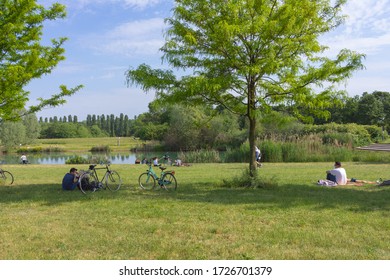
[[367, 109], [179, 127], [93, 126]]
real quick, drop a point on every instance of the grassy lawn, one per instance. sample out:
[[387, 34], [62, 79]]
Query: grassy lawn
[[295, 219], [85, 144]]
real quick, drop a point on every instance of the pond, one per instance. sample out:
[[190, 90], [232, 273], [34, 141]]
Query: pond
[[60, 158]]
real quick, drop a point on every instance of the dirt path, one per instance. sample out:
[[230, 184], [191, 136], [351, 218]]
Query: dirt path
[[376, 147]]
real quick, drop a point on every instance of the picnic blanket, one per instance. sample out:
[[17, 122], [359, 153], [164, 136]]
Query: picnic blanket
[[327, 183]]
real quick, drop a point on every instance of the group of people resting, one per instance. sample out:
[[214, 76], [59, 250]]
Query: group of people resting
[[167, 159]]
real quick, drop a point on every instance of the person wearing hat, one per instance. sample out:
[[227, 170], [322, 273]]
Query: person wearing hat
[[69, 182], [337, 174]]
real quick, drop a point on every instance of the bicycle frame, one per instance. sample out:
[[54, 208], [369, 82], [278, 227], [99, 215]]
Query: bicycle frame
[[110, 179], [151, 172], [154, 174], [93, 169]]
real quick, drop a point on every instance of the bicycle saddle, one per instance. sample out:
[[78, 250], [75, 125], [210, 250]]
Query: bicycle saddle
[[162, 168], [92, 166]]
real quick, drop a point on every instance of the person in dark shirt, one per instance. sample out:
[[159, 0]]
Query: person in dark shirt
[[69, 182]]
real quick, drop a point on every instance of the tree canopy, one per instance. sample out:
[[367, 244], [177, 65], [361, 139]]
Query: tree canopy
[[23, 57], [250, 55]]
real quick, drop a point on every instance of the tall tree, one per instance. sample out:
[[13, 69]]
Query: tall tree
[[33, 128], [89, 120], [12, 134], [23, 57], [248, 55], [371, 109], [112, 125]]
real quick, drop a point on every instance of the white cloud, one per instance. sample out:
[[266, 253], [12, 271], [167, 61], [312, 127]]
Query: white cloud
[[140, 28], [367, 16], [366, 29], [81, 4], [143, 37], [368, 45], [139, 3]]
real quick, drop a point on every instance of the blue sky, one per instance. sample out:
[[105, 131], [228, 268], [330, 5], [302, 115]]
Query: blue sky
[[106, 37]]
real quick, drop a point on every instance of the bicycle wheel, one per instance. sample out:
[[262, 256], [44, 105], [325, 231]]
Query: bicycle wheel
[[169, 182], [88, 183], [113, 180], [146, 181], [6, 178]]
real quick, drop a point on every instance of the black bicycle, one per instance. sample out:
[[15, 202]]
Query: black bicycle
[[89, 181], [6, 177]]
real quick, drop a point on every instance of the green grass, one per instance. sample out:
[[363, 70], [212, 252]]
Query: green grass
[[294, 219], [85, 144]]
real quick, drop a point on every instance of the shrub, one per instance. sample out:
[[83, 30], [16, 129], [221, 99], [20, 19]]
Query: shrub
[[271, 151], [376, 133], [31, 150], [240, 154], [53, 150], [77, 160], [246, 181], [101, 149], [200, 156], [351, 134], [37, 150]]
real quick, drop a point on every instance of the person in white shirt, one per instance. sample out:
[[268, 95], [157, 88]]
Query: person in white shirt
[[257, 154], [23, 159], [337, 175]]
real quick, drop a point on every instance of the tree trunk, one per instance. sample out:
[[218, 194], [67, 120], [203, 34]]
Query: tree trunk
[[252, 127], [252, 144]]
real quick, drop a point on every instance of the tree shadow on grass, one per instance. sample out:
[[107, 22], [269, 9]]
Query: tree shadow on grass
[[47, 194], [358, 199]]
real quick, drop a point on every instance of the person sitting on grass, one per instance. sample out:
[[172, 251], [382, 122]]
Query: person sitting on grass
[[70, 180], [337, 174], [23, 159]]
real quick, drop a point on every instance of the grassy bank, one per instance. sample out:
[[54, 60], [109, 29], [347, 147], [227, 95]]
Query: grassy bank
[[295, 219], [116, 144]]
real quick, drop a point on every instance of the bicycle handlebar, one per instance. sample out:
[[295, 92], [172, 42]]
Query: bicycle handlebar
[[92, 166]]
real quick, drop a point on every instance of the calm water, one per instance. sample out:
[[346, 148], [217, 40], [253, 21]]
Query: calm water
[[52, 158]]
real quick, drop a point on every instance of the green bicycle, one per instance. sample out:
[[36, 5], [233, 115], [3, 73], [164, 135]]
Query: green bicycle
[[89, 181], [166, 180], [6, 177]]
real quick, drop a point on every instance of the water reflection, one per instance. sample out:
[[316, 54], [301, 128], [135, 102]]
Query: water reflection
[[54, 158]]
